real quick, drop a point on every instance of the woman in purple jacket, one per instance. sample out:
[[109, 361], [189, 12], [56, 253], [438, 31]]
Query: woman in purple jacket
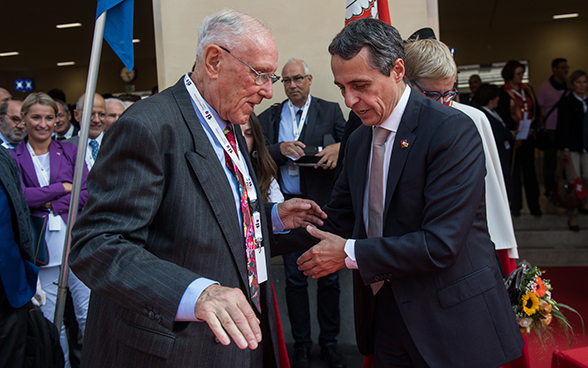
[[46, 167]]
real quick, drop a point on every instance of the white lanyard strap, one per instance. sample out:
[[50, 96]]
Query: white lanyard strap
[[44, 179], [89, 157], [212, 123], [522, 96], [298, 125]]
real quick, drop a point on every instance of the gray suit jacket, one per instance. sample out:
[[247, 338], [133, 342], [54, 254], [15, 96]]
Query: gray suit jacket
[[161, 214]]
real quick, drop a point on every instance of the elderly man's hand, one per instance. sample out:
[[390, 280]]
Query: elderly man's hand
[[326, 257], [329, 156], [227, 310], [298, 212], [293, 149]]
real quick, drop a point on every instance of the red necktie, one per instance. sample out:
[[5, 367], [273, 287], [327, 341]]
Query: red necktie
[[250, 241]]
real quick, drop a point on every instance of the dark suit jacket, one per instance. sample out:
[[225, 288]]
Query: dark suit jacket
[[18, 276], [324, 126], [436, 252], [570, 124], [161, 214], [501, 134]]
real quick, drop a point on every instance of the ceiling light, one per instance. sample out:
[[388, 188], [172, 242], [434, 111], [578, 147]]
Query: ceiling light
[[12, 53], [563, 16], [136, 40], [66, 63], [68, 25]]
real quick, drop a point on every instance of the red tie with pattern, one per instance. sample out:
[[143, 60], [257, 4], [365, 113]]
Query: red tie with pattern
[[250, 241]]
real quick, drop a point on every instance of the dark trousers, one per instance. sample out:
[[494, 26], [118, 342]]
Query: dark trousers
[[393, 346], [13, 332], [299, 309], [550, 159], [524, 174]]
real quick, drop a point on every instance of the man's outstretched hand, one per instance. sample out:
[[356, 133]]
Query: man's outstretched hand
[[297, 212], [326, 257]]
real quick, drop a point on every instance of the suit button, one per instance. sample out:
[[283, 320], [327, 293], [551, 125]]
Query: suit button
[[216, 340], [145, 312], [151, 315], [377, 278]]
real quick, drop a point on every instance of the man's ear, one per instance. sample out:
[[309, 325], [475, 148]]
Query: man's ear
[[77, 115], [398, 70], [212, 60], [309, 79]]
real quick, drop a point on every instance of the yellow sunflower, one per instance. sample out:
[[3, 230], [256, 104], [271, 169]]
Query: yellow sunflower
[[530, 303]]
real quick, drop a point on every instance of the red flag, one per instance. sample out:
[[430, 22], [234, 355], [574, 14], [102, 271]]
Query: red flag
[[377, 9], [579, 187]]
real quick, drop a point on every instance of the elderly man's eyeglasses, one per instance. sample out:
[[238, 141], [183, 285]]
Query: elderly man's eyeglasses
[[446, 97], [297, 79], [15, 118], [260, 78]]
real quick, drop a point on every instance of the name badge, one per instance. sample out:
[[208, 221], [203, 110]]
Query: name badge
[[261, 266]]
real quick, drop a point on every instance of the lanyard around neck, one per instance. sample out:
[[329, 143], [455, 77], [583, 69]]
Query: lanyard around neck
[[44, 179], [213, 124], [298, 125]]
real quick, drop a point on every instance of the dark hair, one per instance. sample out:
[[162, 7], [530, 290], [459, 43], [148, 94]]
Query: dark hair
[[56, 94], [576, 74], [129, 97], [556, 62], [263, 164], [485, 93], [509, 69], [382, 40]]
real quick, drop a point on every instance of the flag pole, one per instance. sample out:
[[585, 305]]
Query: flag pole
[[79, 168]]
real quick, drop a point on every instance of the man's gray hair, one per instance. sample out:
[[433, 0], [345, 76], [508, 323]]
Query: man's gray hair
[[429, 59], [294, 60], [63, 104], [226, 28], [382, 40], [124, 105]]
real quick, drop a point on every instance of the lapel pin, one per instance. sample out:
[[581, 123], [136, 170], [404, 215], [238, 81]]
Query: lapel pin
[[58, 153], [404, 143]]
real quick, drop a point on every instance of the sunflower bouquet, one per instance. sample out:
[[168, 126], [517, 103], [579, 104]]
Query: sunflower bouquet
[[530, 296]]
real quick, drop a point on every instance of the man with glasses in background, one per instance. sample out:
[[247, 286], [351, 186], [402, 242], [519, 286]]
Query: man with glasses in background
[[12, 129], [97, 123], [304, 122]]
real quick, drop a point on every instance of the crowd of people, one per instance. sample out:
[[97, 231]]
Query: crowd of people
[[187, 195], [555, 118]]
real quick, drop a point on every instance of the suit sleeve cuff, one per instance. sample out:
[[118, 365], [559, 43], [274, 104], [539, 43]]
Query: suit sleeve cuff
[[350, 261], [187, 305]]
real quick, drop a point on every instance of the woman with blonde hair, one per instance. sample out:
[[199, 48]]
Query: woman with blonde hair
[[46, 167]]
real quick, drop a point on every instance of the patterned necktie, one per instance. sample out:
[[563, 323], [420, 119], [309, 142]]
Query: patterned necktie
[[298, 115], [94, 146], [250, 241], [376, 191]]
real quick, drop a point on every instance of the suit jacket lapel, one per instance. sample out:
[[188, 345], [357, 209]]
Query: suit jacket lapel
[[213, 180], [27, 168], [55, 153], [403, 143], [311, 120], [359, 176]]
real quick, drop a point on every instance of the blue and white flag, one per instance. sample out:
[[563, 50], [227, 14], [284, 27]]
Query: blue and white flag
[[118, 31]]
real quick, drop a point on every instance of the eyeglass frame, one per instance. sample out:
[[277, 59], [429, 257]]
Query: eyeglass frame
[[293, 80], [452, 94], [19, 119], [270, 77]]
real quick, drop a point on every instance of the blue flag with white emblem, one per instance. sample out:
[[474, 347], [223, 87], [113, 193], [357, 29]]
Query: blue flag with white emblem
[[118, 30]]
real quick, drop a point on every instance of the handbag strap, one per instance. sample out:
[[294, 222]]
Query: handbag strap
[[564, 94]]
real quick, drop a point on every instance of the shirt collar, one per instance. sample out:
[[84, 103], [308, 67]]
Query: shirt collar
[[98, 139], [393, 121]]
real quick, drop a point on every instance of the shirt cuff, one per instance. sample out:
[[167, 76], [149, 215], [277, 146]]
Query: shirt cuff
[[350, 261], [187, 305], [277, 225]]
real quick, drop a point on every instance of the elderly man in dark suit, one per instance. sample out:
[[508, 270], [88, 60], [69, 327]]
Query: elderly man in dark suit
[[173, 241], [410, 198], [304, 121]]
